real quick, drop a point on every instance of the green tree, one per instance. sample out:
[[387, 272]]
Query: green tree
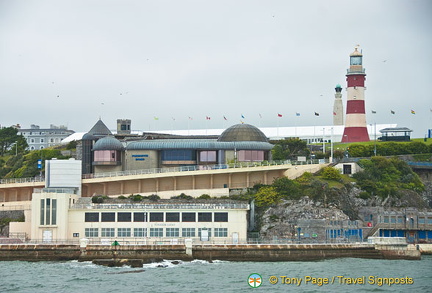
[[289, 149], [287, 188], [267, 196], [8, 137], [331, 173]]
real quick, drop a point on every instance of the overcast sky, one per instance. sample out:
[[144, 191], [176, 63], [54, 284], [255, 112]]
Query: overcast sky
[[71, 62]]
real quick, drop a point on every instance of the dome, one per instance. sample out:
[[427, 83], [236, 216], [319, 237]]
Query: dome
[[338, 86], [108, 143], [88, 136], [243, 132]]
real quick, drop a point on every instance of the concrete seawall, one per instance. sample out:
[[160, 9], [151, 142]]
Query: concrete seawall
[[247, 252]]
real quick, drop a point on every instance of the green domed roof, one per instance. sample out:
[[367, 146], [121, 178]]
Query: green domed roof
[[338, 86], [243, 132], [108, 143]]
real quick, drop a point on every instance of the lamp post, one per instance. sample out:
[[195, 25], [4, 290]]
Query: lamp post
[[331, 146]]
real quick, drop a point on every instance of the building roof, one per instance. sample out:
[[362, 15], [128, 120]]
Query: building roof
[[108, 143], [395, 129], [243, 132], [197, 144], [100, 129]]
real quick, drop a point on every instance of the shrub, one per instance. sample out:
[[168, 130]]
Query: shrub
[[331, 173]]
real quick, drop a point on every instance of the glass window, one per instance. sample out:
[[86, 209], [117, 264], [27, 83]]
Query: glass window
[[105, 156], [421, 220], [208, 156], [42, 212], [178, 155], [400, 220], [156, 232], [188, 217], [140, 232], [107, 232], [123, 232], [221, 217], [172, 232], [386, 219], [91, 232], [124, 217], [108, 217], [221, 232], [91, 217], [204, 217], [429, 220], [393, 219], [172, 217], [54, 212], [208, 229], [140, 217], [156, 217], [250, 156], [188, 232]]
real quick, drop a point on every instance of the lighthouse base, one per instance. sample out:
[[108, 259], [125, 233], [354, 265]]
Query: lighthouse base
[[355, 134]]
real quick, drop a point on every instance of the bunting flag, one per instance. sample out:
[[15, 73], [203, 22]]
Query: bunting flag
[[297, 114], [207, 118], [261, 116], [242, 116], [241, 122], [393, 112], [279, 115], [334, 113], [156, 118], [316, 114], [173, 118], [190, 118], [373, 112], [412, 112], [225, 118]]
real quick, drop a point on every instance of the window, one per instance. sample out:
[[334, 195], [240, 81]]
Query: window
[[429, 221], [91, 232], [156, 232], [52, 140], [172, 232], [105, 156], [393, 219], [188, 217], [204, 217], [400, 220], [124, 217], [48, 211], [208, 229], [108, 217], [221, 217], [208, 156], [107, 232], [91, 217], [250, 156], [386, 219], [172, 217], [178, 155], [42, 140], [156, 217], [421, 220], [221, 232], [140, 232], [124, 232], [188, 232], [140, 217]]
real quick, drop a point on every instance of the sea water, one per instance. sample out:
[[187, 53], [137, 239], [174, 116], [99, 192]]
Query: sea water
[[336, 275]]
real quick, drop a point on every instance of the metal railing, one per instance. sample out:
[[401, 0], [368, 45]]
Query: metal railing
[[161, 206], [22, 180], [200, 168]]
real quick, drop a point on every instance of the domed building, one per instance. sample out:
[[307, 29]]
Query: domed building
[[108, 153], [238, 143]]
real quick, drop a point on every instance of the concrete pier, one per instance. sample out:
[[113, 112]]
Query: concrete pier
[[240, 252]]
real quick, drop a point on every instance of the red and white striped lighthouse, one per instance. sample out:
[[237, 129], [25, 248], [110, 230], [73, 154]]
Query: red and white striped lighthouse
[[355, 121]]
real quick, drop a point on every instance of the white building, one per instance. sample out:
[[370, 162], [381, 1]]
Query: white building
[[40, 138], [59, 213]]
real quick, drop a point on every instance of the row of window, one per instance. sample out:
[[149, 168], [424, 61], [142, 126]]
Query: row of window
[[400, 220], [156, 217], [154, 232]]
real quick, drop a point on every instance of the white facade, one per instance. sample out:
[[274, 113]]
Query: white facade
[[38, 139]]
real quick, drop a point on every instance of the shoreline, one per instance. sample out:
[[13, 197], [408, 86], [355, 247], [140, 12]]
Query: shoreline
[[187, 252]]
